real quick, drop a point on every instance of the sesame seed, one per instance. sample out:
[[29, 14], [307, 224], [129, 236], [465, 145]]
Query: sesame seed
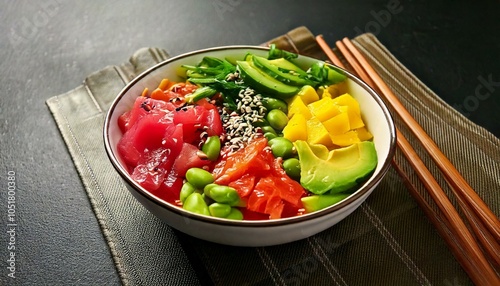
[[238, 123]]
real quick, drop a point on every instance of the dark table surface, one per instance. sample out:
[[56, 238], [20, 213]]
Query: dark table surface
[[48, 47]]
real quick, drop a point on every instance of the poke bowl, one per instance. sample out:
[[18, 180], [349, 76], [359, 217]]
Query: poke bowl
[[249, 145]]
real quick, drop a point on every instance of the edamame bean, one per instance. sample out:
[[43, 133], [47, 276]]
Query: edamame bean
[[196, 204], [199, 178], [281, 147], [268, 129], [219, 210], [186, 190], [292, 168], [235, 214], [273, 103], [223, 194], [270, 135], [277, 119], [211, 147], [206, 189]]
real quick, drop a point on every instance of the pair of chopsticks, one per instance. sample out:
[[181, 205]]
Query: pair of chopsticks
[[478, 251]]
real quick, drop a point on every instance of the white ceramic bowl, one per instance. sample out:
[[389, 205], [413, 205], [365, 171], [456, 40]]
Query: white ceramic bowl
[[250, 233]]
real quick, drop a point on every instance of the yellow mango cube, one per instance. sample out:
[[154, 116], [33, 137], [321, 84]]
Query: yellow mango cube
[[337, 89], [308, 94], [296, 105], [345, 139], [347, 100], [324, 92], [323, 109], [338, 124], [296, 129], [364, 134], [317, 133], [355, 120]]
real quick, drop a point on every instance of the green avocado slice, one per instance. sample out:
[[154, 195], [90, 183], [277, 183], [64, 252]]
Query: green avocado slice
[[342, 170], [316, 202], [287, 65], [281, 73], [262, 82]]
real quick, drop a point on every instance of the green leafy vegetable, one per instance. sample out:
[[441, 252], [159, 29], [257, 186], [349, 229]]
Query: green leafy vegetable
[[323, 74], [210, 68], [212, 73], [202, 92], [275, 53]]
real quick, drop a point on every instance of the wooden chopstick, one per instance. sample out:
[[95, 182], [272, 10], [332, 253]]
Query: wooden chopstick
[[484, 273], [329, 52], [447, 168], [438, 194], [441, 224], [433, 187], [462, 242], [484, 223], [487, 241]]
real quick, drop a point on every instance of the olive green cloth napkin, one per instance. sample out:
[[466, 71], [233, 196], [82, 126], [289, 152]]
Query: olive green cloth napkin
[[386, 241]]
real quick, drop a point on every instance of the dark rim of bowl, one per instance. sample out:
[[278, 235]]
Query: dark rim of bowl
[[367, 185]]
